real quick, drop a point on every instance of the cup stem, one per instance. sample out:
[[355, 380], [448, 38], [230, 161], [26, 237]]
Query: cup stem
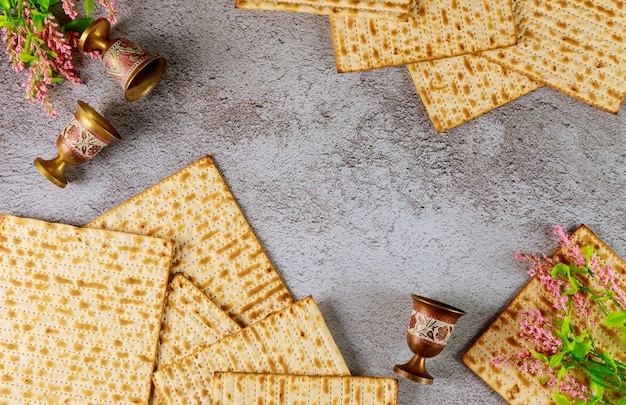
[[415, 369], [53, 170]]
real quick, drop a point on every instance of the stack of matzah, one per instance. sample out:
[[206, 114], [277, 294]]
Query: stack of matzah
[[470, 57], [503, 335], [80, 313], [167, 288]]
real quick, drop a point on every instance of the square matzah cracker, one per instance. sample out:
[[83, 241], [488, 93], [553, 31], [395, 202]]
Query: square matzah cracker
[[215, 246], [283, 389], [191, 321], [294, 340], [439, 29], [574, 46], [79, 313], [502, 336], [457, 89], [398, 10]]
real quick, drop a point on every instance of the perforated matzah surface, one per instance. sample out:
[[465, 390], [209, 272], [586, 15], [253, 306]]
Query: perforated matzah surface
[[455, 90], [215, 246], [282, 389], [574, 46], [396, 10], [79, 313], [191, 321], [295, 340], [441, 28], [502, 336]]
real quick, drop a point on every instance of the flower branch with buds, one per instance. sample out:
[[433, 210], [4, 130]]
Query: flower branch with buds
[[563, 352], [40, 36]]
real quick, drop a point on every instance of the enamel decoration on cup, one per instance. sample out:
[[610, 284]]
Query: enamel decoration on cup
[[430, 327], [136, 71], [83, 137]]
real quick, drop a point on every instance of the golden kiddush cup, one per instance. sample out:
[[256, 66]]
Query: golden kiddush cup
[[130, 65], [431, 324], [81, 139]]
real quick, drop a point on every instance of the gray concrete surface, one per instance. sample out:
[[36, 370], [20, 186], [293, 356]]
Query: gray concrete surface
[[354, 196]]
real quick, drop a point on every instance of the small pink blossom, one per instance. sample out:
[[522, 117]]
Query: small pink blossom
[[538, 331], [68, 7], [45, 50]]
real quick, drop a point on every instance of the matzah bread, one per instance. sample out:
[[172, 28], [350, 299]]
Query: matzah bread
[[441, 28], [574, 46], [190, 322], [396, 10], [215, 246], [282, 389], [502, 336], [294, 340], [455, 90], [79, 314]]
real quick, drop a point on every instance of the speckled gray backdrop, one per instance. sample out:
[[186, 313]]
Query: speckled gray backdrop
[[352, 193]]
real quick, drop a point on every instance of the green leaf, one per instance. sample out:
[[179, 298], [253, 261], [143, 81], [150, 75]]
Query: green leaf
[[38, 20], [615, 318], [573, 286], [57, 80], [26, 57], [538, 355], [596, 389], [88, 7], [45, 4], [79, 25], [621, 401], [622, 329], [4, 21], [588, 253], [560, 270], [581, 349], [560, 399], [607, 296], [556, 359], [578, 270], [561, 373], [6, 5]]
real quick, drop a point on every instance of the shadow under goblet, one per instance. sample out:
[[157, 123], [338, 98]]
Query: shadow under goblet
[[81, 139], [431, 324]]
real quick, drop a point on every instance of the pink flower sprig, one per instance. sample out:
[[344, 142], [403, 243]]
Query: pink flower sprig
[[37, 43], [560, 344]]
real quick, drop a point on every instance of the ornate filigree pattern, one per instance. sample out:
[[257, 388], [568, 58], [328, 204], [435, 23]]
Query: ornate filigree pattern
[[430, 329]]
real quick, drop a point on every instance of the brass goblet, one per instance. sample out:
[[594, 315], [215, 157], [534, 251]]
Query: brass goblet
[[81, 139], [431, 324], [130, 65]]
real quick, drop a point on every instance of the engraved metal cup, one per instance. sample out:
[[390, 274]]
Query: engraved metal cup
[[83, 137], [136, 71], [430, 327]]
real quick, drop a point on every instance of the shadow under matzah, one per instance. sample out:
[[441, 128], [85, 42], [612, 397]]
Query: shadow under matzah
[[454, 90], [395, 10]]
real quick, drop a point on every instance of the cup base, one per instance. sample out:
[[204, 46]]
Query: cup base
[[52, 170], [400, 370]]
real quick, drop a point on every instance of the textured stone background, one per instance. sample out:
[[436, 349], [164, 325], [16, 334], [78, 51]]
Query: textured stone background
[[354, 196]]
